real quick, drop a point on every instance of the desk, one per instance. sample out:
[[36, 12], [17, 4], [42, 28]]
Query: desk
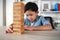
[[31, 35]]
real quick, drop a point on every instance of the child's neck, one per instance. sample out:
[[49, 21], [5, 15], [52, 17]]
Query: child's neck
[[32, 22]]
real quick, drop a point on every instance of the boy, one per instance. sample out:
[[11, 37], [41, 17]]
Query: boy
[[33, 21]]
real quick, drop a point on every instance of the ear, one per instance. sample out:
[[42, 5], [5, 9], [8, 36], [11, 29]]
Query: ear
[[37, 12]]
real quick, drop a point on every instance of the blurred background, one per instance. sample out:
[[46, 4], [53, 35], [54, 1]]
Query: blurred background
[[46, 8]]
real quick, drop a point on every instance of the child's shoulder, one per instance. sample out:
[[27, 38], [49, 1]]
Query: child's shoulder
[[25, 19], [41, 16]]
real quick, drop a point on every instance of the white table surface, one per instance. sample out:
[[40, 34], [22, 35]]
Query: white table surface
[[31, 35]]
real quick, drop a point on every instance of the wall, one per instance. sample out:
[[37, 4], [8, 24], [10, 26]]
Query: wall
[[4, 12], [1, 12], [9, 12]]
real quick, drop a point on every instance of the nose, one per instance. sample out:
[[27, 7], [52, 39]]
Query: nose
[[29, 17]]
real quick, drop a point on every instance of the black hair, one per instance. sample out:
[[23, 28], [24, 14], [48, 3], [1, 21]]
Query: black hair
[[31, 6]]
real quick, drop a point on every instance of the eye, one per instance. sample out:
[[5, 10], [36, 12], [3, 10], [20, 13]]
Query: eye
[[30, 14], [26, 15]]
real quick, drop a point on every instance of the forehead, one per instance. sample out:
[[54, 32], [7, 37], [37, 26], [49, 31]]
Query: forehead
[[30, 12]]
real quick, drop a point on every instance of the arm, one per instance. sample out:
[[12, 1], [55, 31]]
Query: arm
[[46, 27]]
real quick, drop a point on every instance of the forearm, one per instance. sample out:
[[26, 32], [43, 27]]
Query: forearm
[[28, 28], [46, 27]]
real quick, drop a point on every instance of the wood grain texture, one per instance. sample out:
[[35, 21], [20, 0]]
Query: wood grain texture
[[18, 18]]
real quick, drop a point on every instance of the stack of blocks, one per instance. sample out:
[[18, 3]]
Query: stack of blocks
[[18, 18]]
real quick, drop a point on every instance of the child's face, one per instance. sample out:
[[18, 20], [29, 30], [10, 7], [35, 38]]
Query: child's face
[[31, 15]]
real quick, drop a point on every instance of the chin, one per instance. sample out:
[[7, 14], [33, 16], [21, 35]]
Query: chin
[[32, 21]]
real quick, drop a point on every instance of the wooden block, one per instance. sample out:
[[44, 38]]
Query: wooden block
[[18, 33], [18, 17]]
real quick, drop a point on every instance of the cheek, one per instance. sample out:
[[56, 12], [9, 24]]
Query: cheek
[[34, 17], [31, 18]]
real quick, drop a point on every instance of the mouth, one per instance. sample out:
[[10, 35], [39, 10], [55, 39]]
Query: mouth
[[31, 20]]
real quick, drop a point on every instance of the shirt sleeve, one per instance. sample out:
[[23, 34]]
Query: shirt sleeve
[[44, 21], [25, 21]]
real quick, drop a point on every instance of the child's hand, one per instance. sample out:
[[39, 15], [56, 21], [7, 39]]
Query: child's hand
[[9, 29], [28, 28]]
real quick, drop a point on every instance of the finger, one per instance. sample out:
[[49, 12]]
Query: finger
[[10, 27], [10, 30], [7, 31]]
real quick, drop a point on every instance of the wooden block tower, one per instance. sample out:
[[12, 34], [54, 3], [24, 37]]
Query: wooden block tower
[[18, 18]]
